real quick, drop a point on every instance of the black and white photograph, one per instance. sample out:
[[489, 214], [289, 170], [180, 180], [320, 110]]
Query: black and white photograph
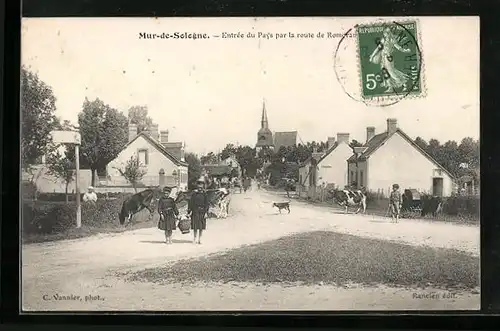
[[270, 163]]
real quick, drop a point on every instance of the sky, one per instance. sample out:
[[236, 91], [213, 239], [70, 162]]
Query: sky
[[209, 92]]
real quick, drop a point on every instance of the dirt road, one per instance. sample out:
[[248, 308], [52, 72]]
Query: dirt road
[[84, 270]]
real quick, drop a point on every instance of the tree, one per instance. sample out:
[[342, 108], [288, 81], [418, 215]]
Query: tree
[[450, 158], [139, 115], [228, 151], [210, 158], [62, 166], [194, 169], [355, 143], [468, 151], [104, 134], [38, 105], [133, 171], [421, 143]]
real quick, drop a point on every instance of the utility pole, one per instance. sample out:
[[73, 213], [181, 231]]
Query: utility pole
[[77, 187]]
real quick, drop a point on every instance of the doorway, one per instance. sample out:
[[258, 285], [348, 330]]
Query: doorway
[[437, 186]]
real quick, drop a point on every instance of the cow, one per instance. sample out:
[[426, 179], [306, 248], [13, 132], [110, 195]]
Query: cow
[[136, 203], [431, 205], [350, 198], [223, 203]]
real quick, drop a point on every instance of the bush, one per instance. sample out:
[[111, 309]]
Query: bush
[[43, 217], [28, 190], [462, 205], [47, 218]]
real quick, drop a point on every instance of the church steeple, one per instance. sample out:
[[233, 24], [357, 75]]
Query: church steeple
[[263, 123], [264, 136]]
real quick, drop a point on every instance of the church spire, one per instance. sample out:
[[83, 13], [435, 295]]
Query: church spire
[[263, 123]]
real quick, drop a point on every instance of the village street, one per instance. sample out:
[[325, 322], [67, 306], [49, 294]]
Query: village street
[[94, 266]]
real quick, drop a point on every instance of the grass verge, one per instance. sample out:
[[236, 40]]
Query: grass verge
[[82, 232], [329, 258]]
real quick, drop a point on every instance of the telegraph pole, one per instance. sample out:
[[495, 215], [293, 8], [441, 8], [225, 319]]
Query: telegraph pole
[[77, 187]]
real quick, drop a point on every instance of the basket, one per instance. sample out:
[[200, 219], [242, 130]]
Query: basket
[[184, 225]]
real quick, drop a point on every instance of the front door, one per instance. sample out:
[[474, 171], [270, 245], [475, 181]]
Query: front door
[[437, 186]]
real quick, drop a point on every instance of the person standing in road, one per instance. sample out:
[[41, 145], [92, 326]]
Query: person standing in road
[[168, 212], [395, 201], [198, 209]]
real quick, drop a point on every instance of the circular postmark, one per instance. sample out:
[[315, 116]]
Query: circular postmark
[[382, 64]]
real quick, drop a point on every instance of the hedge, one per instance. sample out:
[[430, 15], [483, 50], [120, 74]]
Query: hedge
[[55, 217]]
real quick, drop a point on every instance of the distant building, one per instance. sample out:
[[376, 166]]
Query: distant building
[[328, 168], [163, 160], [264, 136], [233, 163], [266, 140], [393, 157]]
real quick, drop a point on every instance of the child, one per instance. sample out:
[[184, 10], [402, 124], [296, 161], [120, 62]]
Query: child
[[395, 202]]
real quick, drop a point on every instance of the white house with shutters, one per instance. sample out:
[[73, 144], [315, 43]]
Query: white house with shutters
[[162, 160]]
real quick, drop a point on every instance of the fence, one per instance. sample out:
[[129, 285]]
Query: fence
[[462, 206], [146, 181]]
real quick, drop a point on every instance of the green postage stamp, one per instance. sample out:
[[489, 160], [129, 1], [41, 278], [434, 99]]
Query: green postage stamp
[[390, 60]]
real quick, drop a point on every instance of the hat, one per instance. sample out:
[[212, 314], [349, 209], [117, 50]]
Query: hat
[[90, 188], [167, 189], [395, 186]]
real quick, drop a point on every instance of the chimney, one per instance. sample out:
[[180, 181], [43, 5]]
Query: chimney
[[370, 133], [132, 131], [392, 125], [176, 149], [331, 142], [153, 132], [343, 137], [164, 136]]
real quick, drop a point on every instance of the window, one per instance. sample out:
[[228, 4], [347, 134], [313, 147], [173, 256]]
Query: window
[[143, 156], [361, 177], [352, 177]]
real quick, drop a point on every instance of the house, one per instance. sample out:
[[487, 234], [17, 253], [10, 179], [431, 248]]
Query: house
[[162, 160], [393, 157], [330, 167], [46, 182], [232, 162]]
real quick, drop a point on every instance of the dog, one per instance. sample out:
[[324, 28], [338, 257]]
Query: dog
[[282, 205]]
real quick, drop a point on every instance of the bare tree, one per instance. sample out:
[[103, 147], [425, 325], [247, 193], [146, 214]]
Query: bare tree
[[133, 171], [62, 167]]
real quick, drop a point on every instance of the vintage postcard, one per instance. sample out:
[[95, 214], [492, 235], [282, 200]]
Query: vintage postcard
[[321, 163]]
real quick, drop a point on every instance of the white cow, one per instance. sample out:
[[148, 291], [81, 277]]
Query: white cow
[[223, 203]]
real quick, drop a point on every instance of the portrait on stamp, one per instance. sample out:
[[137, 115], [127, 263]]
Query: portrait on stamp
[[228, 164]]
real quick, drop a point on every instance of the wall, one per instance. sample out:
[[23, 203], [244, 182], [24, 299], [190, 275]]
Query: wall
[[355, 172], [47, 183], [333, 168], [304, 175], [156, 161], [397, 161]]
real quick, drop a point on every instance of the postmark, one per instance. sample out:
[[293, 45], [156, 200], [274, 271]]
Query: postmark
[[388, 66]]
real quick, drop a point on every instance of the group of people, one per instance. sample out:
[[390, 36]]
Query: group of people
[[198, 207]]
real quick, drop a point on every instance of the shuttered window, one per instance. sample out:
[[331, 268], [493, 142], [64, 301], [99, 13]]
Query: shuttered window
[[143, 156]]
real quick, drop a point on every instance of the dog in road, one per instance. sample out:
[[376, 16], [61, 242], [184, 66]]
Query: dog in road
[[282, 205]]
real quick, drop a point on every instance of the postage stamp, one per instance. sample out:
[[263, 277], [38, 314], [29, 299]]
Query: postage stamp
[[390, 62]]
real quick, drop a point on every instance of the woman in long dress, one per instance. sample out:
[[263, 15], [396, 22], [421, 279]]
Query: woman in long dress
[[168, 214], [383, 56], [198, 209]]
